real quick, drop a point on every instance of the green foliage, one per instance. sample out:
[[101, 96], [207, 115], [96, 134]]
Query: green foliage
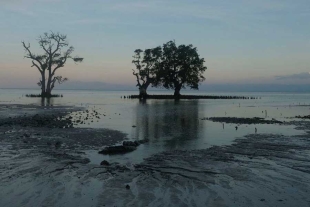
[[146, 63], [170, 66], [181, 66]]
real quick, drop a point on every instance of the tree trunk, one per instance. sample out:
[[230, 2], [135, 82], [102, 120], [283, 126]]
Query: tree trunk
[[43, 84], [48, 86], [177, 91], [48, 91], [142, 90], [49, 80], [48, 94], [53, 85]]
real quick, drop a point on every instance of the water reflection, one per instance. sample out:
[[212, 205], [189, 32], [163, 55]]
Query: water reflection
[[46, 101], [176, 122]]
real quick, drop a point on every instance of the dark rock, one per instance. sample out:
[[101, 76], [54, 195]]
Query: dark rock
[[127, 187], [117, 149], [135, 143], [58, 144], [105, 163], [130, 143]]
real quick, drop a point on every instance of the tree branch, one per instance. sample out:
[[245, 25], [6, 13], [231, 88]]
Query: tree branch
[[43, 41], [34, 64], [30, 55], [52, 58], [137, 76]]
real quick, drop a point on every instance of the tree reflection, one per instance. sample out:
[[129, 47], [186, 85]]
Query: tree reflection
[[46, 101], [174, 122]]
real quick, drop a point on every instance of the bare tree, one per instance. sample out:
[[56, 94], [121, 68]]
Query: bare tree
[[56, 52]]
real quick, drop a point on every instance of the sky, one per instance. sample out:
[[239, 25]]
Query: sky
[[242, 41]]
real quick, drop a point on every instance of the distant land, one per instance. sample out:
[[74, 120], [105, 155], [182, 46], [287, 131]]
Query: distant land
[[79, 85], [202, 87]]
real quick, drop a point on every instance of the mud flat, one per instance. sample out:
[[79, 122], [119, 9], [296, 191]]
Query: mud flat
[[256, 170], [237, 120], [303, 117]]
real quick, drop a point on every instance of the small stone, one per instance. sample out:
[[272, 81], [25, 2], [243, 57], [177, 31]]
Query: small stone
[[130, 143], [58, 144], [117, 149], [127, 187], [134, 126], [262, 199], [105, 163]]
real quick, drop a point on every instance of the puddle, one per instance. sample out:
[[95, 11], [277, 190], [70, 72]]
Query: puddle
[[211, 134]]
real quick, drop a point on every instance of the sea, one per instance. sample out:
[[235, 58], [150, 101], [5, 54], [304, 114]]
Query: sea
[[173, 124]]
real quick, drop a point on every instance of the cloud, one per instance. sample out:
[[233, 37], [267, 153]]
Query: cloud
[[23, 7], [95, 85], [302, 76], [21, 10]]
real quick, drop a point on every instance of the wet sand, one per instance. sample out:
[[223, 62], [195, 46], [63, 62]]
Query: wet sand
[[41, 166]]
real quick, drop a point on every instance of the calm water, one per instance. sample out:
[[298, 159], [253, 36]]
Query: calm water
[[170, 124]]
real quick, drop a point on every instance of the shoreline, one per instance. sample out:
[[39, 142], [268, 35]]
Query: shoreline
[[256, 170], [189, 97]]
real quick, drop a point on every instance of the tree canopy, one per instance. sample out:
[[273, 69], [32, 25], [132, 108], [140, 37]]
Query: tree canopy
[[181, 67], [171, 66], [146, 63]]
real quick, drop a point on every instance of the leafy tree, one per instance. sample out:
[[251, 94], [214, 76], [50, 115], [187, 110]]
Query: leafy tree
[[180, 67], [146, 68], [56, 52]]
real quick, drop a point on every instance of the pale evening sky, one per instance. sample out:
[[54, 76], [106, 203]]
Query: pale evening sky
[[242, 41]]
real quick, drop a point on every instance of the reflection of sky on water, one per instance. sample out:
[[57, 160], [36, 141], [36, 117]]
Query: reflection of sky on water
[[170, 124]]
